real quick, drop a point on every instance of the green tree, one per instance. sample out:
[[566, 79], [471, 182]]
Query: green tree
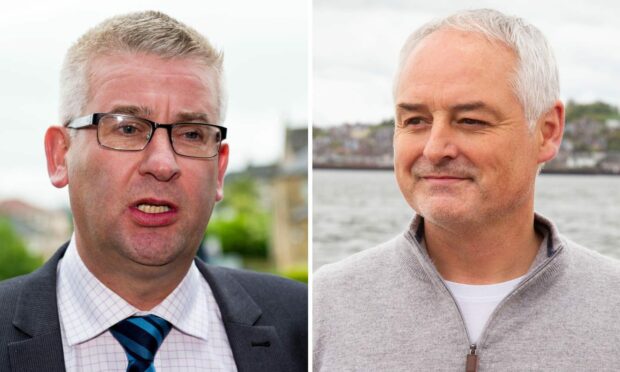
[[598, 110], [240, 222], [613, 141], [15, 259]]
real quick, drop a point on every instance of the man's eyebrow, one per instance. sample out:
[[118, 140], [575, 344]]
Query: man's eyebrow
[[192, 117], [460, 107], [411, 107], [141, 111], [474, 106], [145, 112]]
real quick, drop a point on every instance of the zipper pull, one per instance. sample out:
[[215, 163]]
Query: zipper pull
[[471, 365]]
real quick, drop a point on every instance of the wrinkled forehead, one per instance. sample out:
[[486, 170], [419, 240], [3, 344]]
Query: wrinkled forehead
[[120, 75], [448, 56]]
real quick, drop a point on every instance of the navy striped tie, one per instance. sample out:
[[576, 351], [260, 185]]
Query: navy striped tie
[[141, 336]]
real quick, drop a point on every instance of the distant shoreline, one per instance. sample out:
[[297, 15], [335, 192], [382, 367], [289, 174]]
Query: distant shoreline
[[576, 172]]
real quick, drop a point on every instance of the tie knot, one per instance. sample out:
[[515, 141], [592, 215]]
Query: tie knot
[[141, 336]]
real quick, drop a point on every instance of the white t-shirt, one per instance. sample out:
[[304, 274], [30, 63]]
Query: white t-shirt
[[477, 302]]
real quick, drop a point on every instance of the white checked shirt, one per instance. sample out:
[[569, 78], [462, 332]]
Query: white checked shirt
[[87, 308]]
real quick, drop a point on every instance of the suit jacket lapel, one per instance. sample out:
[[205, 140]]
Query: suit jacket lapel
[[255, 347], [36, 315]]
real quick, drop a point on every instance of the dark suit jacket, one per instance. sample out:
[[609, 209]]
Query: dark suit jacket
[[265, 319]]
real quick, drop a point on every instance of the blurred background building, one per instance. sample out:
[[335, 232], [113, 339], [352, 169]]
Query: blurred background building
[[41, 230], [591, 143]]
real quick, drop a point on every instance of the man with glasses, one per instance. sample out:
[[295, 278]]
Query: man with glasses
[[131, 133], [141, 151]]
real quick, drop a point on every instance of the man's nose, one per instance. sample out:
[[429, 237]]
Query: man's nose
[[159, 159], [441, 142]]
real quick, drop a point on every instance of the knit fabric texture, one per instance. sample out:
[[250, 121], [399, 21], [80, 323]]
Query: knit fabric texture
[[387, 309]]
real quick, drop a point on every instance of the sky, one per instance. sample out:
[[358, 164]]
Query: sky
[[356, 44], [265, 44]]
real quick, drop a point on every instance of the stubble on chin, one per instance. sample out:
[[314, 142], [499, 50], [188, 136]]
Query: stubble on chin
[[449, 206]]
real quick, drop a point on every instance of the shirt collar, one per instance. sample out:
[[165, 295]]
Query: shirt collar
[[186, 306], [88, 308]]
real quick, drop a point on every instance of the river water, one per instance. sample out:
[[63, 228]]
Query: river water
[[354, 210]]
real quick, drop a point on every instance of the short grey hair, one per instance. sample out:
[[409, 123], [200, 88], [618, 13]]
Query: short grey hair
[[535, 82], [148, 32]]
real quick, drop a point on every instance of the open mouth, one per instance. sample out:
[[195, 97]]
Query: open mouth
[[151, 212], [154, 206], [153, 209]]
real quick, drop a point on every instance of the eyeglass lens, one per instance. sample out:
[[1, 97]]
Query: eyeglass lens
[[123, 132]]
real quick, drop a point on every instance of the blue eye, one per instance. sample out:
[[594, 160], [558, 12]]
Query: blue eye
[[127, 129], [192, 135]]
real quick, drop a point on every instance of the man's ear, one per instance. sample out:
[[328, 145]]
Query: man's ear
[[56, 148], [222, 163], [549, 132]]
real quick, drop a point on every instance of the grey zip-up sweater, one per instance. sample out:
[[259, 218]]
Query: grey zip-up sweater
[[387, 309]]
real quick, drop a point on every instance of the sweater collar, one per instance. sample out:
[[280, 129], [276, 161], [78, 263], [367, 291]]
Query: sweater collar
[[551, 245]]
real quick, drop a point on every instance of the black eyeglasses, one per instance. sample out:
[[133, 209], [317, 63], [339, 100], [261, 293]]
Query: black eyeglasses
[[131, 133]]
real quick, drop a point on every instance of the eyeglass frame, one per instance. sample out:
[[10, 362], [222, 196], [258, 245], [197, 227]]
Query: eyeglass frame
[[93, 120]]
